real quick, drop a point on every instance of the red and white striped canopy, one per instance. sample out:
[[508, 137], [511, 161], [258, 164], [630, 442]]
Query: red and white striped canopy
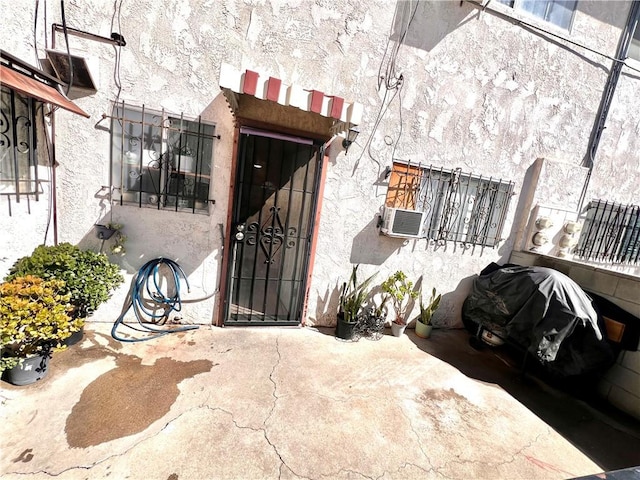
[[265, 87]]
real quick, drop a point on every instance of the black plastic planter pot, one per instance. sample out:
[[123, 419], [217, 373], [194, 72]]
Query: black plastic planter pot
[[74, 338], [344, 330], [30, 370]]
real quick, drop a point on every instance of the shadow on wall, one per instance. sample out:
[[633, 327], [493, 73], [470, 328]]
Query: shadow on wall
[[371, 248], [327, 307], [449, 313], [335, 148], [142, 246], [515, 240], [612, 12], [425, 24]]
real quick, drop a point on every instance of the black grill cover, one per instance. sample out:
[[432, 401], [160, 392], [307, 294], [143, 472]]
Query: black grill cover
[[543, 311]]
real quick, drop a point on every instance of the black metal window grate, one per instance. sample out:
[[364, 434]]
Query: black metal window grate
[[459, 207], [611, 233], [160, 160], [18, 141]]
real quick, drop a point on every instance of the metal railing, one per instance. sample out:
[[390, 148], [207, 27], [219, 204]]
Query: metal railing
[[18, 141], [611, 233], [461, 207], [161, 160]]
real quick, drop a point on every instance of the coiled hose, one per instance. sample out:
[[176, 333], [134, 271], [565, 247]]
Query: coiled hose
[[146, 278]]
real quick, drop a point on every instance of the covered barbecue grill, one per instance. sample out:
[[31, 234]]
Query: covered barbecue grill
[[542, 311]]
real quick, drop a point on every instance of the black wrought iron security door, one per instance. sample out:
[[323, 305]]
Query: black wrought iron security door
[[272, 226]]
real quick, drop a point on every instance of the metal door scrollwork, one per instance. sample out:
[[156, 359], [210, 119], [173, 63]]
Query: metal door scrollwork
[[270, 236]]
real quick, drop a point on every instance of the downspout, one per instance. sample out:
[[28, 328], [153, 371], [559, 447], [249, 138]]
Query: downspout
[[54, 162], [607, 95]]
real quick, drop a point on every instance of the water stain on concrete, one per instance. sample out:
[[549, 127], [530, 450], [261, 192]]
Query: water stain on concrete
[[448, 409], [25, 457], [127, 399], [91, 348], [433, 395]]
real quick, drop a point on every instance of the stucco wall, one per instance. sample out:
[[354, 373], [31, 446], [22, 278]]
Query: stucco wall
[[478, 92]]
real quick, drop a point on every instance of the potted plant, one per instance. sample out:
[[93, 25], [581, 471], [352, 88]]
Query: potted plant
[[400, 291], [88, 277], [34, 321], [119, 239], [105, 232], [352, 298], [423, 323], [373, 326]]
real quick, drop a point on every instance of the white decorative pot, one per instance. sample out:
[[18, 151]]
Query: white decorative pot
[[397, 330]]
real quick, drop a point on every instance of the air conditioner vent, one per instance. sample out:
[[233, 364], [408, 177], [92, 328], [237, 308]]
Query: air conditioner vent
[[82, 79], [402, 223]]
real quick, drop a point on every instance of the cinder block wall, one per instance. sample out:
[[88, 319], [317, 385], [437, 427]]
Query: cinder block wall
[[621, 384]]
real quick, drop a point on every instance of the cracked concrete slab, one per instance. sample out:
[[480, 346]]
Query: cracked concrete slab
[[273, 403]]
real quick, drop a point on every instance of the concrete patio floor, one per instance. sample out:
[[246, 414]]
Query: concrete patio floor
[[250, 403]]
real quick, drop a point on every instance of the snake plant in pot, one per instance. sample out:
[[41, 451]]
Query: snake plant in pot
[[401, 292], [352, 298], [34, 322], [423, 323]]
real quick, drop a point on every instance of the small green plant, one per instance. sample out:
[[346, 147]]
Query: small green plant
[[88, 277], [400, 290], [377, 310], [353, 295], [34, 318], [426, 310], [119, 239]]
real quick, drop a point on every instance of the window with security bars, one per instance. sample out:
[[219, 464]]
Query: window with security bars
[[160, 160], [458, 207], [557, 12], [18, 159], [610, 233]]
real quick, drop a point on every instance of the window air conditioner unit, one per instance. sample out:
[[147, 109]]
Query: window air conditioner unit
[[397, 222], [83, 83]]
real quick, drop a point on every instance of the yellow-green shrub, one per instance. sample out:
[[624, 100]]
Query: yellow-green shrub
[[33, 318]]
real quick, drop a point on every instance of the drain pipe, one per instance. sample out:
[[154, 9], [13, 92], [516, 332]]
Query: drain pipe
[[54, 162], [607, 95], [54, 165]]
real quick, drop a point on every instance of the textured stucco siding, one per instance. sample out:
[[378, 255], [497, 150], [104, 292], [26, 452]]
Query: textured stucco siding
[[479, 93]]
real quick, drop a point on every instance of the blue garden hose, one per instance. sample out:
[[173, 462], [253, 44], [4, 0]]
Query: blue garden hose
[[155, 299]]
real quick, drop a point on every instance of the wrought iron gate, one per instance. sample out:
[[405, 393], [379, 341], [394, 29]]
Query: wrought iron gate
[[272, 225]]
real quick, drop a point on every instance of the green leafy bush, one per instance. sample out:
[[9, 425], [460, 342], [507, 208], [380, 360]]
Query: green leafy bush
[[34, 318], [89, 277]]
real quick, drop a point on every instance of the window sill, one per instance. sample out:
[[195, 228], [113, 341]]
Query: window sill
[[189, 210], [522, 18]]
